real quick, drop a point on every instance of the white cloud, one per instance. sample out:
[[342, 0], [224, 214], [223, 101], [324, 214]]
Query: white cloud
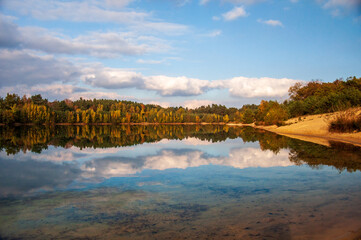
[[271, 22], [191, 104], [84, 11], [45, 69], [99, 44], [235, 13], [93, 11], [61, 91], [216, 18], [111, 78], [175, 86], [257, 87], [109, 44], [142, 61]]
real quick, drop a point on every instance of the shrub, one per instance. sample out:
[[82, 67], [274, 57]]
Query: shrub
[[348, 121]]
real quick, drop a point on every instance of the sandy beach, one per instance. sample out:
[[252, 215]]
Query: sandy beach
[[314, 128]]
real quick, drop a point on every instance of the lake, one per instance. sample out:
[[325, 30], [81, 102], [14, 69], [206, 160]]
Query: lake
[[175, 182]]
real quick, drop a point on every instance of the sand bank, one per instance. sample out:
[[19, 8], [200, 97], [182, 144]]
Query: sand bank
[[314, 128]]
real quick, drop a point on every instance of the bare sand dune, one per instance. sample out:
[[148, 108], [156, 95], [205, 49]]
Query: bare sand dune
[[314, 128]]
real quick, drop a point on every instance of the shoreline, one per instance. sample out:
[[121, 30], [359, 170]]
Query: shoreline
[[323, 139], [312, 128]]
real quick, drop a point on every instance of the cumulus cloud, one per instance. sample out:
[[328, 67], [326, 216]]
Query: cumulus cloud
[[257, 87], [271, 22], [111, 78], [235, 13], [175, 86], [53, 73]]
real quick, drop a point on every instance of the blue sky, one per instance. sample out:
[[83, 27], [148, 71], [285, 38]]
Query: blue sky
[[180, 52]]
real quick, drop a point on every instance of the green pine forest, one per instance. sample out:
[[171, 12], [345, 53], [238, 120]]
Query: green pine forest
[[312, 98]]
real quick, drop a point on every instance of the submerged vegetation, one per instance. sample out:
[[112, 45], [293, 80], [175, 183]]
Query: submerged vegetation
[[312, 98]]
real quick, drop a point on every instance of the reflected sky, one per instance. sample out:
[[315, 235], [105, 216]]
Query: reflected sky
[[58, 167], [255, 186]]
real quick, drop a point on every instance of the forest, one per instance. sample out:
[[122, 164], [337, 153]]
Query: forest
[[311, 98]]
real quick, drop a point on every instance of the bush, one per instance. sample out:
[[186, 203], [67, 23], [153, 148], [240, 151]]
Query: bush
[[348, 121]]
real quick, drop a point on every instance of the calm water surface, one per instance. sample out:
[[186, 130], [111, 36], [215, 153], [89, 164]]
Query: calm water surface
[[175, 182]]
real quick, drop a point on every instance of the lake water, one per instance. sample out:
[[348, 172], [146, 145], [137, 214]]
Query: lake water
[[175, 182]]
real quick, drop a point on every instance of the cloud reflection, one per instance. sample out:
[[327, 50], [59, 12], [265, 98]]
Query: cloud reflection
[[59, 168], [184, 158]]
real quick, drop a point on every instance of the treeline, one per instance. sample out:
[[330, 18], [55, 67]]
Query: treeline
[[315, 97], [312, 98], [37, 110], [319, 97]]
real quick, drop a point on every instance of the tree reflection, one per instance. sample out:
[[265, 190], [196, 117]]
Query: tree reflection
[[35, 139]]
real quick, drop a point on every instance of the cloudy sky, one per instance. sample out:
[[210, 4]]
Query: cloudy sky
[[176, 52]]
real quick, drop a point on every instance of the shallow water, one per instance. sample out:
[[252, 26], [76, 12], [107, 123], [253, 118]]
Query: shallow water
[[175, 182]]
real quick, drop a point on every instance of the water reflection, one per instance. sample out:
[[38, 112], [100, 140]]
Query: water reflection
[[162, 182], [90, 154], [97, 140], [183, 158]]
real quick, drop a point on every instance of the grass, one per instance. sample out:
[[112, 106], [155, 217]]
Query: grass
[[346, 122]]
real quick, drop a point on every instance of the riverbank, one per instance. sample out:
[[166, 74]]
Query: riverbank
[[314, 128]]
